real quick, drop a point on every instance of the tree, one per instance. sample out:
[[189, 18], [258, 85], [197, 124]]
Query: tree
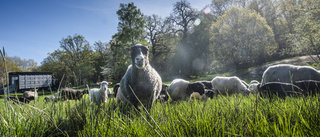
[[279, 19], [130, 32], [25, 65], [201, 55], [76, 61], [55, 63], [11, 67], [242, 37], [183, 17], [119, 60], [101, 58], [219, 7], [157, 28], [75, 46], [306, 36], [131, 23]]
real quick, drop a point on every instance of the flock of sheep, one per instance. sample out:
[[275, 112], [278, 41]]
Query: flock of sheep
[[142, 85]]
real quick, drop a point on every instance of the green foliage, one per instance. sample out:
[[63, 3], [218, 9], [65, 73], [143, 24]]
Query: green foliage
[[306, 36], [101, 58], [120, 59], [163, 55], [14, 64], [75, 61], [54, 63], [158, 33], [26, 65], [11, 67], [199, 41], [130, 32], [183, 16], [131, 24], [243, 38]]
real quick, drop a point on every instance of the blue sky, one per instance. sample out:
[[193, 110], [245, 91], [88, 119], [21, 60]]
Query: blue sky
[[30, 29]]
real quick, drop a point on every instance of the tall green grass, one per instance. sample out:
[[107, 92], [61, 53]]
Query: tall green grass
[[234, 115]]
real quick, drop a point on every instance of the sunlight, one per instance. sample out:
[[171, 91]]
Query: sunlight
[[198, 64], [206, 10], [197, 22]]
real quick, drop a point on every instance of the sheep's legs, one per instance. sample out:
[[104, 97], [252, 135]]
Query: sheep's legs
[[149, 105]]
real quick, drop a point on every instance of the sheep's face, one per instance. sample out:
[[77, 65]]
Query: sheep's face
[[104, 85], [209, 93], [139, 56], [196, 87], [253, 87]]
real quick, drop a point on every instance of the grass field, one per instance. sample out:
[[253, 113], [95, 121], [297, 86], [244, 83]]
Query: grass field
[[234, 115]]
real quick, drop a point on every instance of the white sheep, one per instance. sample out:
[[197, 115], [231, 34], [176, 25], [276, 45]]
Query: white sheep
[[177, 89], [229, 85], [253, 86], [54, 98], [180, 89], [99, 96], [140, 83], [50, 98], [30, 94], [289, 74]]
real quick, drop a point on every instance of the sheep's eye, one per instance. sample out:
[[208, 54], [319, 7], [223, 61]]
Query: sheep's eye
[[144, 51]]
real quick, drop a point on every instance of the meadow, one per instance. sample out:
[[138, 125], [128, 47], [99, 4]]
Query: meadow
[[234, 115]]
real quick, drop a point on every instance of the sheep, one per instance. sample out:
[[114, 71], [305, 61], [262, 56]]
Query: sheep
[[289, 73], [116, 89], [253, 86], [229, 85], [279, 89], [208, 94], [141, 81], [110, 94], [30, 94], [164, 95], [177, 89], [245, 83], [311, 87], [196, 95], [56, 97], [99, 96], [72, 94], [207, 84], [50, 98], [181, 89]]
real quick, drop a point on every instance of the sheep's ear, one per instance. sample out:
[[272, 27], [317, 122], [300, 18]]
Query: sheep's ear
[[128, 48], [109, 83], [98, 83]]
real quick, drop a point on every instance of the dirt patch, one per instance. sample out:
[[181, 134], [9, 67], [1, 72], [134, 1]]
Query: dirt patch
[[300, 61]]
